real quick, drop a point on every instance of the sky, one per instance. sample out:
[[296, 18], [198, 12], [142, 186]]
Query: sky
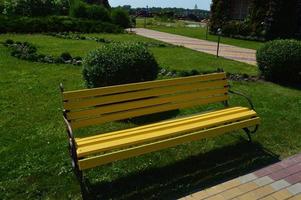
[[202, 4]]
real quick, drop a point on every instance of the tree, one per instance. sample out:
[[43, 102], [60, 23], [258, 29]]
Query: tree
[[100, 2]]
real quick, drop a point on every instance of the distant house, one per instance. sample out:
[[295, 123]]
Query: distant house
[[259, 18]]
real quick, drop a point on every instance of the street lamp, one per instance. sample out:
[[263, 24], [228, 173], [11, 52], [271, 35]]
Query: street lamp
[[219, 33], [146, 13], [207, 30]]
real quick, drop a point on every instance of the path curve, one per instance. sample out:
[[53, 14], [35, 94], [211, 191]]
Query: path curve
[[227, 51]]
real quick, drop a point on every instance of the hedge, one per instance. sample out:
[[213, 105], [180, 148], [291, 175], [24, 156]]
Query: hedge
[[55, 24]]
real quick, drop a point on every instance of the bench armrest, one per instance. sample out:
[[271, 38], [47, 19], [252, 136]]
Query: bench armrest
[[252, 107], [245, 96], [68, 128]]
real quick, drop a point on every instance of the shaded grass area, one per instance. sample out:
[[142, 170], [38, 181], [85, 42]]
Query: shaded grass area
[[200, 33], [171, 57], [180, 178], [35, 163]]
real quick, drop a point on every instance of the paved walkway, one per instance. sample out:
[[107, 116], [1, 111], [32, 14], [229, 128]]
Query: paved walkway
[[226, 51], [279, 181]]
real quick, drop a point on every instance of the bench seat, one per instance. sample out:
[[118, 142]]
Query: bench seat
[[105, 148]]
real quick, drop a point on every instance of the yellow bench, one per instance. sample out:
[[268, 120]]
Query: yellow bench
[[85, 108]]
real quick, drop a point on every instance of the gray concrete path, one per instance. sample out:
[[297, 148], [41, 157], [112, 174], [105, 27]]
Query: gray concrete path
[[226, 51]]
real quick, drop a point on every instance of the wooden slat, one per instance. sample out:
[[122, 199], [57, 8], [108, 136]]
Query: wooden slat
[[83, 103], [165, 133], [145, 111], [138, 86], [144, 103], [144, 129], [156, 146], [96, 136]]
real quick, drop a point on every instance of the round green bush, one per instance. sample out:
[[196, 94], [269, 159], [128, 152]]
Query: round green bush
[[280, 61], [119, 63]]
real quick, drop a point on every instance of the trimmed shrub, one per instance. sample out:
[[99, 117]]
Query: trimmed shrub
[[55, 24], [114, 64], [79, 10], [86, 11], [121, 18], [97, 12], [280, 61], [66, 56], [27, 51], [35, 8]]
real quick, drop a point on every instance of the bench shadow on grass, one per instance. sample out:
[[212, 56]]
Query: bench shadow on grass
[[187, 176]]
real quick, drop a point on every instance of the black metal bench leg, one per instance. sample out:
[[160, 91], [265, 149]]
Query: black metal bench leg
[[248, 132], [83, 186], [78, 173]]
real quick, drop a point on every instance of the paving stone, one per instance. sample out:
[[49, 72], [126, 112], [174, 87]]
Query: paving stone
[[294, 178], [295, 189], [297, 157], [263, 181], [282, 194], [248, 187], [229, 194], [262, 192], [278, 175], [297, 197], [288, 162], [230, 184], [281, 181], [262, 172], [247, 178], [268, 198], [200, 195], [247, 196], [275, 167], [215, 190], [216, 197], [278, 185], [189, 197]]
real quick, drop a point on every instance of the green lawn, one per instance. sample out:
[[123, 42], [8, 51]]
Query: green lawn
[[200, 33], [34, 160], [173, 57]]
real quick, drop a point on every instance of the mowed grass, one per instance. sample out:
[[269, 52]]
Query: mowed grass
[[199, 33], [172, 57], [34, 159]]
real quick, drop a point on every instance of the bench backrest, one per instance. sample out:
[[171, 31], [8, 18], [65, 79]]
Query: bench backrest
[[99, 105]]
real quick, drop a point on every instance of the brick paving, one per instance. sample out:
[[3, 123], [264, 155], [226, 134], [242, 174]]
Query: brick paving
[[280, 181], [226, 51]]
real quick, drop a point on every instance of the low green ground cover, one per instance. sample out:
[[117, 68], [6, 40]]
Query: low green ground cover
[[34, 160], [199, 32]]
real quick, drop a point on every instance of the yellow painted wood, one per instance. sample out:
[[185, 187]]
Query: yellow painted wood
[[144, 129], [145, 103], [161, 134], [205, 114], [153, 92], [145, 111], [138, 86], [92, 162]]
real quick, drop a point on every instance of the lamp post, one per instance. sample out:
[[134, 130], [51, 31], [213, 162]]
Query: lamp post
[[207, 29], [145, 15], [219, 33]]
